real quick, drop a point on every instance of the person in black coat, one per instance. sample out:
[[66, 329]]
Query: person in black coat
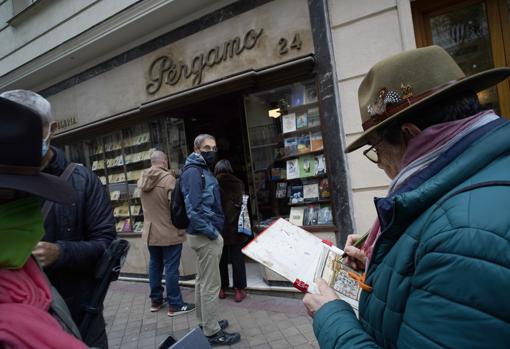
[[232, 190], [77, 235]]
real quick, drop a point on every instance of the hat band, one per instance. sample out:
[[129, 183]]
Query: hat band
[[395, 108], [20, 170]]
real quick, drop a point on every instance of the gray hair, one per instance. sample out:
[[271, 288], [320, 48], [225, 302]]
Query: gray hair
[[158, 156], [200, 139], [31, 100]]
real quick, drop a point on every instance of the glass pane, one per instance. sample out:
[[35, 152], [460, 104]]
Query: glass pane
[[464, 33], [287, 160]]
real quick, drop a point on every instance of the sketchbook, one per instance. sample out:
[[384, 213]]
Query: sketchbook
[[302, 258]]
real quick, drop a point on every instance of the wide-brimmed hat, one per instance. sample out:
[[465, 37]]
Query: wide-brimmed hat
[[20, 155], [407, 82]]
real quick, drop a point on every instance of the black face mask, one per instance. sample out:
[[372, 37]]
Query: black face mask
[[210, 158]]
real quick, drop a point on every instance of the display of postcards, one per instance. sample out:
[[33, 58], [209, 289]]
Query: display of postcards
[[281, 190], [134, 175], [311, 215], [289, 123], [301, 121], [126, 225], [313, 117], [293, 170], [118, 161], [275, 173], [138, 227], [121, 211], [296, 215], [110, 163], [324, 192], [290, 146], [119, 226], [320, 165], [115, 195], [325, 216], [303, 144], [296, 195], [102, 179], [316, 141], [311, 191], [94, 165], [135, 210], [306, 166]]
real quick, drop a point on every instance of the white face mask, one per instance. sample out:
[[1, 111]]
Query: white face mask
[[45, 146]]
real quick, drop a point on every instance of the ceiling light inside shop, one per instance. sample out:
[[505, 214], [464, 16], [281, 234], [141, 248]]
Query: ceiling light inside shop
[[274, 113]]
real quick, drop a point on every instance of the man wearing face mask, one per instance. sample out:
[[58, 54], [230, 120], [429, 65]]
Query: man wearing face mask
[[203, 207], [77, 235]]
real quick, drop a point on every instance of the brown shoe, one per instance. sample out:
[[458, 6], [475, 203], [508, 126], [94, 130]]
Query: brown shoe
[[239, 295], [222, 294]]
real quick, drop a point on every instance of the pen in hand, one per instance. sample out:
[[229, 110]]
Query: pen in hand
[[358, 243]]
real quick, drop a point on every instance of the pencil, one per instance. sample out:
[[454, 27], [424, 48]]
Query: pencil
[[359, 242]]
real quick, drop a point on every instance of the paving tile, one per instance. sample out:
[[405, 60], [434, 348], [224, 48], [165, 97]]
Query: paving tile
[[279, 344]]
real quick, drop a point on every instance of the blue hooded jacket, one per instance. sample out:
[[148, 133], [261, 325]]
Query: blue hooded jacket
[[202, 198]]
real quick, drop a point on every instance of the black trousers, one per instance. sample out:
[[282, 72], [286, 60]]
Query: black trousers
[[233, 254]]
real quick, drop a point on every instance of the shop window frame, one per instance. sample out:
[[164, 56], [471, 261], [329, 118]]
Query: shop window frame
[[499, 32]]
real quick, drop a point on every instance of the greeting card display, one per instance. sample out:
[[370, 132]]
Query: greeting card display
[[289, 123]]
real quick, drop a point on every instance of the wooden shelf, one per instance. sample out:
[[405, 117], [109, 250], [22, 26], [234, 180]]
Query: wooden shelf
[[319, 228], [255, 147], [316, 202], [302, 107]]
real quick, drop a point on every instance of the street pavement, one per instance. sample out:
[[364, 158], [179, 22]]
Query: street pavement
[[263, 321]]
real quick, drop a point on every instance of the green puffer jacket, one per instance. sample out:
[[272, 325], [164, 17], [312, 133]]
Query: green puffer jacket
[[440, 270]]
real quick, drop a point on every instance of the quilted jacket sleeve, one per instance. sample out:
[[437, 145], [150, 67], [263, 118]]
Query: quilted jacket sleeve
[[462, 279], [99, 230], [336, 326]]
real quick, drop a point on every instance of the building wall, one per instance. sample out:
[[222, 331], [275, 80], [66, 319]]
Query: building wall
[[364, 32]]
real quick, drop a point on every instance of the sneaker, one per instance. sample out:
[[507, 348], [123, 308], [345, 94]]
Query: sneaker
[[155, 306], [183, 309], [239, 295], [222, 294], [223, 324], [224, 338]]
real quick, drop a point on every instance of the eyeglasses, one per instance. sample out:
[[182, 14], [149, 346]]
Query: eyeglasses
[[371, 153]]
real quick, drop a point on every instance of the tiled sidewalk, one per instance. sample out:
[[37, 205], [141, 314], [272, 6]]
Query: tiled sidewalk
[[263, 321]]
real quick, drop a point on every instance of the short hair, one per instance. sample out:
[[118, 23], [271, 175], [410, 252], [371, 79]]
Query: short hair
[[158, 155], [32, 100], [223, 166], [200, 139], [455, 108]]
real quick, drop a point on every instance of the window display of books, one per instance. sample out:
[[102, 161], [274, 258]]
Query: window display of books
[[289, 166]]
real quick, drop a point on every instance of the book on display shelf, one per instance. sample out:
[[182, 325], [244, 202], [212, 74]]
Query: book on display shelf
[[325, 216], [319, 165], [311, 215], [296, 195], [301, 121], [281, 190], [324, 192], [290, 146], [296, 215], [302, 258], [316, 142], [303, 144], [307, 166], [313, 117], [289, 123], [311, 191], [293, 169]]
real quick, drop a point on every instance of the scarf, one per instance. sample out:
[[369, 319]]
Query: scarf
[[25, 322], [423, 150]]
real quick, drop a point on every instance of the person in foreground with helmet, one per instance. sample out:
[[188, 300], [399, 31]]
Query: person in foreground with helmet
[[437, 260]]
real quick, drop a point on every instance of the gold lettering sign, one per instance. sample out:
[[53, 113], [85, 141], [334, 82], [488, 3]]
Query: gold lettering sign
[[165, 70]]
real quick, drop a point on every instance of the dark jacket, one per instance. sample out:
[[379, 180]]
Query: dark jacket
[[440, 270], [202, 198], [83, 231], [231, 190]]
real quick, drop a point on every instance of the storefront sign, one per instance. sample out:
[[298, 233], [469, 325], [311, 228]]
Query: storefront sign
[[165, 70], [66, 123]]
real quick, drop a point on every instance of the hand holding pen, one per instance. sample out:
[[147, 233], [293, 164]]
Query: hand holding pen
[[353, 255]]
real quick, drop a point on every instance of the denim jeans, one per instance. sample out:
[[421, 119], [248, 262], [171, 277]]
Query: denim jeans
[[167, 257]]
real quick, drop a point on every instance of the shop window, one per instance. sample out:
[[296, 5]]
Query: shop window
[[475, 33], [119, 158], [287, 158]]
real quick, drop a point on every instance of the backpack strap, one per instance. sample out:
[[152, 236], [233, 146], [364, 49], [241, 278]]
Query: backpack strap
[[65, 176], [476, 186]]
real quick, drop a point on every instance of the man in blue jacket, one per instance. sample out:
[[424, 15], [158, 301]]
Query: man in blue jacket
[[203, 207], [437, 260], [77, 235]]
